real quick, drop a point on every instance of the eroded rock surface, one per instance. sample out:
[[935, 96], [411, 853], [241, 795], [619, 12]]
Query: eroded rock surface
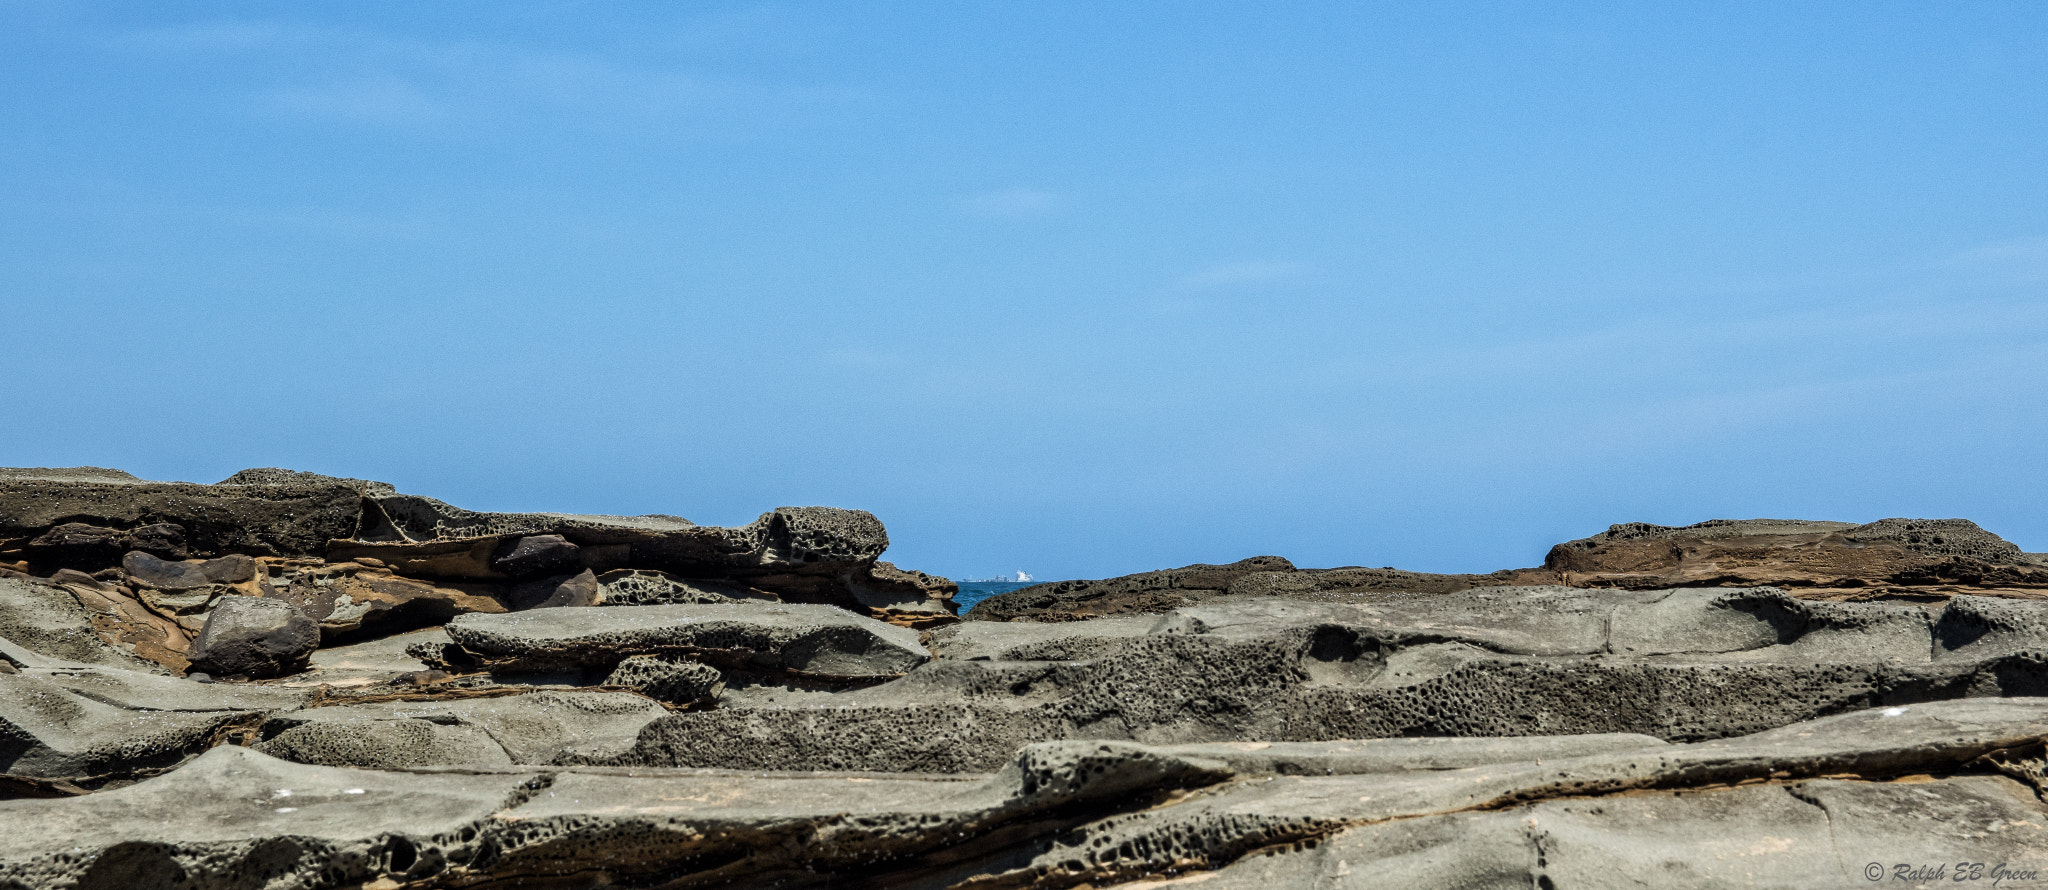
[[806, 639], [1808, 805], [1680, 665], [1920, 559]]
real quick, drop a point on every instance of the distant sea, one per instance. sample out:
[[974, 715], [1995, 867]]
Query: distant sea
[[972, 592]]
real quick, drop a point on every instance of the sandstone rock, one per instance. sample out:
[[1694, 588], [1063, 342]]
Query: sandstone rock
[[258, 520], [370, 662], [795, 552], [148, 571], [350, 600], [642, 587], [668, 678], [1926, 559], [88, 724], [1812, 804], [806, 639], [50, 621], [86, 519], [1145, 592], [557, 592], [254, 637], [529, 728], [279, 476], [1678, 665], [538, 554], [1821, 559]]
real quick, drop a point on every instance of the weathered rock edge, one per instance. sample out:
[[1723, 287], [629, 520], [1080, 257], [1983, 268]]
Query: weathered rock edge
[[1056, 815], [1923, 559]]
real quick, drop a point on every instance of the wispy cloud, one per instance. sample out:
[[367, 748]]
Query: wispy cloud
[[1241, 274], [353, 78], [1015, 203]]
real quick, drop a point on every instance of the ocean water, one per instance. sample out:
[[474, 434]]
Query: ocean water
[[972, 592]]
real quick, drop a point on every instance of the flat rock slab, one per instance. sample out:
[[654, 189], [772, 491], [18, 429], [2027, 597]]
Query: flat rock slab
[[50, 732], [1678, 665], [1809, 805], [533, 727], [811, 639], [369, 662]]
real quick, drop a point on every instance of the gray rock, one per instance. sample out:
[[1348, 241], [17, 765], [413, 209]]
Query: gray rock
[[255, 637], [53, 732], [668, 678], [556, 592], [528, 728], [370, 662], [642, 587], [147, 570], [809, 639], [280, 476], [1675, 665], [537, 555], [1810, 805], [258, 520], [46, 621]]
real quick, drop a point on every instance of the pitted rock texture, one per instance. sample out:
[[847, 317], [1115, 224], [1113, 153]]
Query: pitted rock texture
[[807, 639], [1808, 805], [85, 724], [47, 621], [668, 678], [1680, 665], [534, 727]]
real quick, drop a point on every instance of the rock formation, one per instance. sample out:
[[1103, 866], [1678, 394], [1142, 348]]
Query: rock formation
[[1917, 559], [296, 681]]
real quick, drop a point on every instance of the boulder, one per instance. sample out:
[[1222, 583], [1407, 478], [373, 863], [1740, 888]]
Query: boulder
[[804, 639], [254, 637]]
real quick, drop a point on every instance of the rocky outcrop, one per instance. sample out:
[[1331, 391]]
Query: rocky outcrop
[[640, 701], [1833, 560], [1919, 559], [363, 559], [1681, 665], [803, 640], [1814, 804]]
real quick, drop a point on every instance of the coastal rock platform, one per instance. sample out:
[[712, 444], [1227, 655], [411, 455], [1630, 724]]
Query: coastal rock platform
[[292, 681]]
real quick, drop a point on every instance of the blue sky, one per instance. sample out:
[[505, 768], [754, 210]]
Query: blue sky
[[1049, 286]]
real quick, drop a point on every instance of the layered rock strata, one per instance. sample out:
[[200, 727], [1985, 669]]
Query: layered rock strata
[[1912, 559], [151, 559], [1821, 803]]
